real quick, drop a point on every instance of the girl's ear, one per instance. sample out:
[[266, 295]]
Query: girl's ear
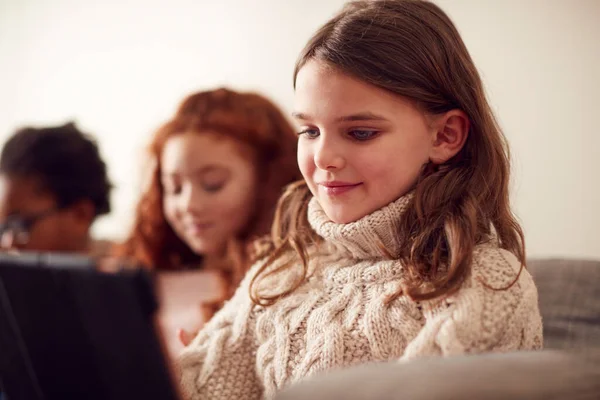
[[83, 212], [451, 131]]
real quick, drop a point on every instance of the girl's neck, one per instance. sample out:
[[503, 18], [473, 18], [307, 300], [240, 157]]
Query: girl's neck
[[212, 259]]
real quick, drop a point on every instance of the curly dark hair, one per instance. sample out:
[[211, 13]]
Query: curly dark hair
[[64, 160]]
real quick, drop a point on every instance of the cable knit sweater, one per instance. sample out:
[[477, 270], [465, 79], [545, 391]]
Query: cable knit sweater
[[338, 317]]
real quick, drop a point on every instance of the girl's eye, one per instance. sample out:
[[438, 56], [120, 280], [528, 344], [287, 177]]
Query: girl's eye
[[213, 187], [362, 134], [309, 133]]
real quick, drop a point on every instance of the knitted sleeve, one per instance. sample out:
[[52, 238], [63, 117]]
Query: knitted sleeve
[[483, 316], [220, 362]]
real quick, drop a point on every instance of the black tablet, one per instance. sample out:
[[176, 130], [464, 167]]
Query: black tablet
[[70, 331]]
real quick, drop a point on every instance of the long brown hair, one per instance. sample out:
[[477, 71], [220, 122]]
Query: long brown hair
[[247, 117], [411, 48]]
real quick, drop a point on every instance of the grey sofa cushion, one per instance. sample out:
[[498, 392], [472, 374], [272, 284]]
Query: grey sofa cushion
[[569, 294], [547, 375]]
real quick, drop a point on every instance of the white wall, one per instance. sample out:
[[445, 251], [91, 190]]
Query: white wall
[[119, 68]]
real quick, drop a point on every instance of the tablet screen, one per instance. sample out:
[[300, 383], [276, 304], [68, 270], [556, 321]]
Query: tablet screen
[[69, 331]]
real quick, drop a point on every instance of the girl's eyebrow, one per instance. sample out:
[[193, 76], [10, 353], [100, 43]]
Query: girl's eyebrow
[[363, 116], [199, 171], [300, 116]]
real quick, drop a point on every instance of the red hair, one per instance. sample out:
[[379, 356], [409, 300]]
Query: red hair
[[246, 117]]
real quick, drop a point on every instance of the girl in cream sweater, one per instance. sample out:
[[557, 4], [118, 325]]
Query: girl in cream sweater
[[400, 243]]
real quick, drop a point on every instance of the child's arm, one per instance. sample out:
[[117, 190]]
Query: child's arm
[[480, 319], [220, 362], [183, 298]]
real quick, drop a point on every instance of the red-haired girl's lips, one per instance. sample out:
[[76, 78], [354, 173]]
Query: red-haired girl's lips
[[199, 229], [337, 188]]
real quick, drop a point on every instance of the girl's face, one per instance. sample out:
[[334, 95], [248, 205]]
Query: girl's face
[[209, 183], [30, 218], [360, 147]]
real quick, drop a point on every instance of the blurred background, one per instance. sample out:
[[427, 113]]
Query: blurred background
[[119, 68]]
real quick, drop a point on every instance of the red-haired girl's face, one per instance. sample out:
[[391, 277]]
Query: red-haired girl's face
[[210, 184]]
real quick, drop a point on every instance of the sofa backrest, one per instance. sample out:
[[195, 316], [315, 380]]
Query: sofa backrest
[[569, 298]]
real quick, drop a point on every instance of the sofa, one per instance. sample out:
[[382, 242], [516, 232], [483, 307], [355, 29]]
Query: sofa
[[567, 368]]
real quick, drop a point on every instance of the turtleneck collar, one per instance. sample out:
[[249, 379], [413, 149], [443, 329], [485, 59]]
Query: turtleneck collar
[[374, 236]]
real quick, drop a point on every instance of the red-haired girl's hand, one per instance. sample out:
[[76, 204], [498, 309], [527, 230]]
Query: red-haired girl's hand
[[186, 303], [207, 310]]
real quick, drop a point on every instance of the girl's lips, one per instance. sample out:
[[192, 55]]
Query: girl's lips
[[199, 229], [338, 188]]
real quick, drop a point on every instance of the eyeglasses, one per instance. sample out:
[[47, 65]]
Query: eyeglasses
[[20, 225]]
